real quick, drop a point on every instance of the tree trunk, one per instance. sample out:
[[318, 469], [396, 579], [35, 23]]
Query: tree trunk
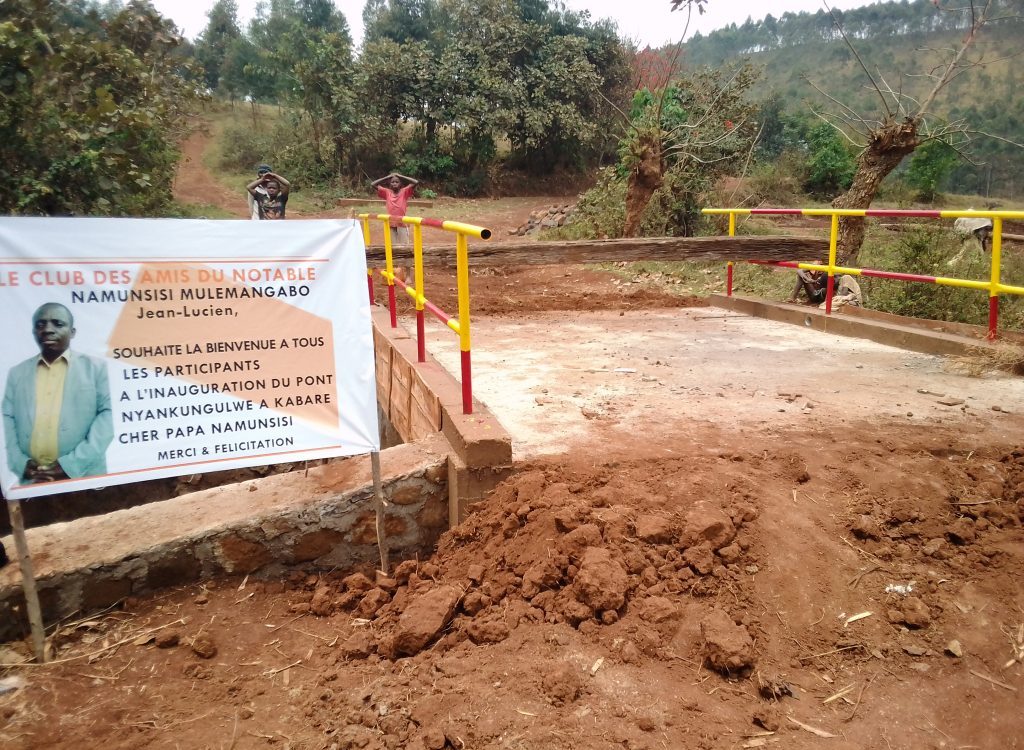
[[644, 179], [889, 144]]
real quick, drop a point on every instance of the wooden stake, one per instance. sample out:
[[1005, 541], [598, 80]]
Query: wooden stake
[[28, 580], [378, 495]]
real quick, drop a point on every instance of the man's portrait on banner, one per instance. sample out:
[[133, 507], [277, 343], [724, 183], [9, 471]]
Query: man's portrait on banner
[[56, 406]]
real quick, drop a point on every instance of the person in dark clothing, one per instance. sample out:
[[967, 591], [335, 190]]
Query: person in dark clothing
[[811, 283], [272, 199]]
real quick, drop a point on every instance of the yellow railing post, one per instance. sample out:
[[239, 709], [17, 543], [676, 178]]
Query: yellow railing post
[[462, 273], [417, 254], [833, 244], [729, 265], [365, 222], [389, 272], [993, 294]]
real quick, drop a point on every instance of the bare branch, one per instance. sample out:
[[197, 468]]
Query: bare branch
[[860, 62], [897, 98], [825, 117], [852, 113], [977, 21]]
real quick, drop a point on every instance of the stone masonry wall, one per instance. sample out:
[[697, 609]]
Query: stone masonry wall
[[322, 518]]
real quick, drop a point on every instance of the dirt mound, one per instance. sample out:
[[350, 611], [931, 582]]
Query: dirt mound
[[550, 549]]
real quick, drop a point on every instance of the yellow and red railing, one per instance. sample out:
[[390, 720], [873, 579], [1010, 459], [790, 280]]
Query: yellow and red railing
[[993, 286], [459, 324]]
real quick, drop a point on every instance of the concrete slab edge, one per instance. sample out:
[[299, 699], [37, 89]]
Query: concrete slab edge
[[883, 332]]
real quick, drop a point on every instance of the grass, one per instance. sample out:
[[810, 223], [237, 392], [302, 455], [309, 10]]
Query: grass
[[262, 118], [199, 211]]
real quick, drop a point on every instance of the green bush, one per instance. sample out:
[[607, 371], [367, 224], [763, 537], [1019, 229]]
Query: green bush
[[929, 251], [600, 213], [289, 146], [780, 182]]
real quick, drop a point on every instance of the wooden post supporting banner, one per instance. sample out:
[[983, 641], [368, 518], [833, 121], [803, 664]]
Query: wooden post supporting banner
[[379, 504], [28, 580]]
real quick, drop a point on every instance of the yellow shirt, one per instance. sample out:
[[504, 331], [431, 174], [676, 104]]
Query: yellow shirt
[[44, 446]]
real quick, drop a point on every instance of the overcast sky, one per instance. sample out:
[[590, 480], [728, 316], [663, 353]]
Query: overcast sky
[[644, 21]]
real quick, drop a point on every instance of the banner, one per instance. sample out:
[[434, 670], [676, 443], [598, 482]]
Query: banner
[[146, 348]]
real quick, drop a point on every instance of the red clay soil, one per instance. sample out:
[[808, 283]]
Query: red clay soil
[[850, 587], [861, 588]]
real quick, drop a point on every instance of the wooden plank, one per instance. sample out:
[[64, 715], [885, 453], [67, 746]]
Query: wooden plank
[[604, 251], [380, 201], [28, 580]]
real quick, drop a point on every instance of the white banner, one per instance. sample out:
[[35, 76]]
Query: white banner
[[146, 348]]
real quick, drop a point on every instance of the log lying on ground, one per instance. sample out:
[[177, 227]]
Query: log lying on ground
[[483, 253]]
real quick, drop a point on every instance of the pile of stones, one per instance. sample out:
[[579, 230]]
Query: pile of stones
[[545, 218]]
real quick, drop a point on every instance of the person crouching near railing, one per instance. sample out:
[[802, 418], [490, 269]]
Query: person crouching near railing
[[814, 284]]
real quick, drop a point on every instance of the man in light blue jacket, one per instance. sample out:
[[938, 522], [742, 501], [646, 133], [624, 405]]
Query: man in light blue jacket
[[56, 407]]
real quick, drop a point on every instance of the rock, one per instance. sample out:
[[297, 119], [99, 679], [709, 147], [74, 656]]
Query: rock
[[433, 739], [204, 647], [950, 401], [700, 558], [706, 524], [372, 602], [932, 546], [730, 553], [322, 602], [953, 648], [542, 575], [601, 581], [423, 619], [914, 650], [475, 573], [359, 645], [168, 639], [916, 613], [359, 582], [654, 529], [728, 647], [865, 528], [962, 532], [487, 631], [657, 609], [475, 602], [405, 569], [562, 685]]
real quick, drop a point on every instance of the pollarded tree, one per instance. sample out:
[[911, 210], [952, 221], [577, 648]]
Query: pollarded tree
[[681, 140], [904, 122]]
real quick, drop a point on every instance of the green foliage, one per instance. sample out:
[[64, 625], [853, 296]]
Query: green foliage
[[780, 181], [440, 87], [88, 120], [215, 44], [831, 165], [898, 41], [601, 212], [290, 144], [929, 251], [704, 126], [929, 166]]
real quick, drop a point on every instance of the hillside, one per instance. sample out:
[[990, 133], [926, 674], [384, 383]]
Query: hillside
[[900, 43]]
